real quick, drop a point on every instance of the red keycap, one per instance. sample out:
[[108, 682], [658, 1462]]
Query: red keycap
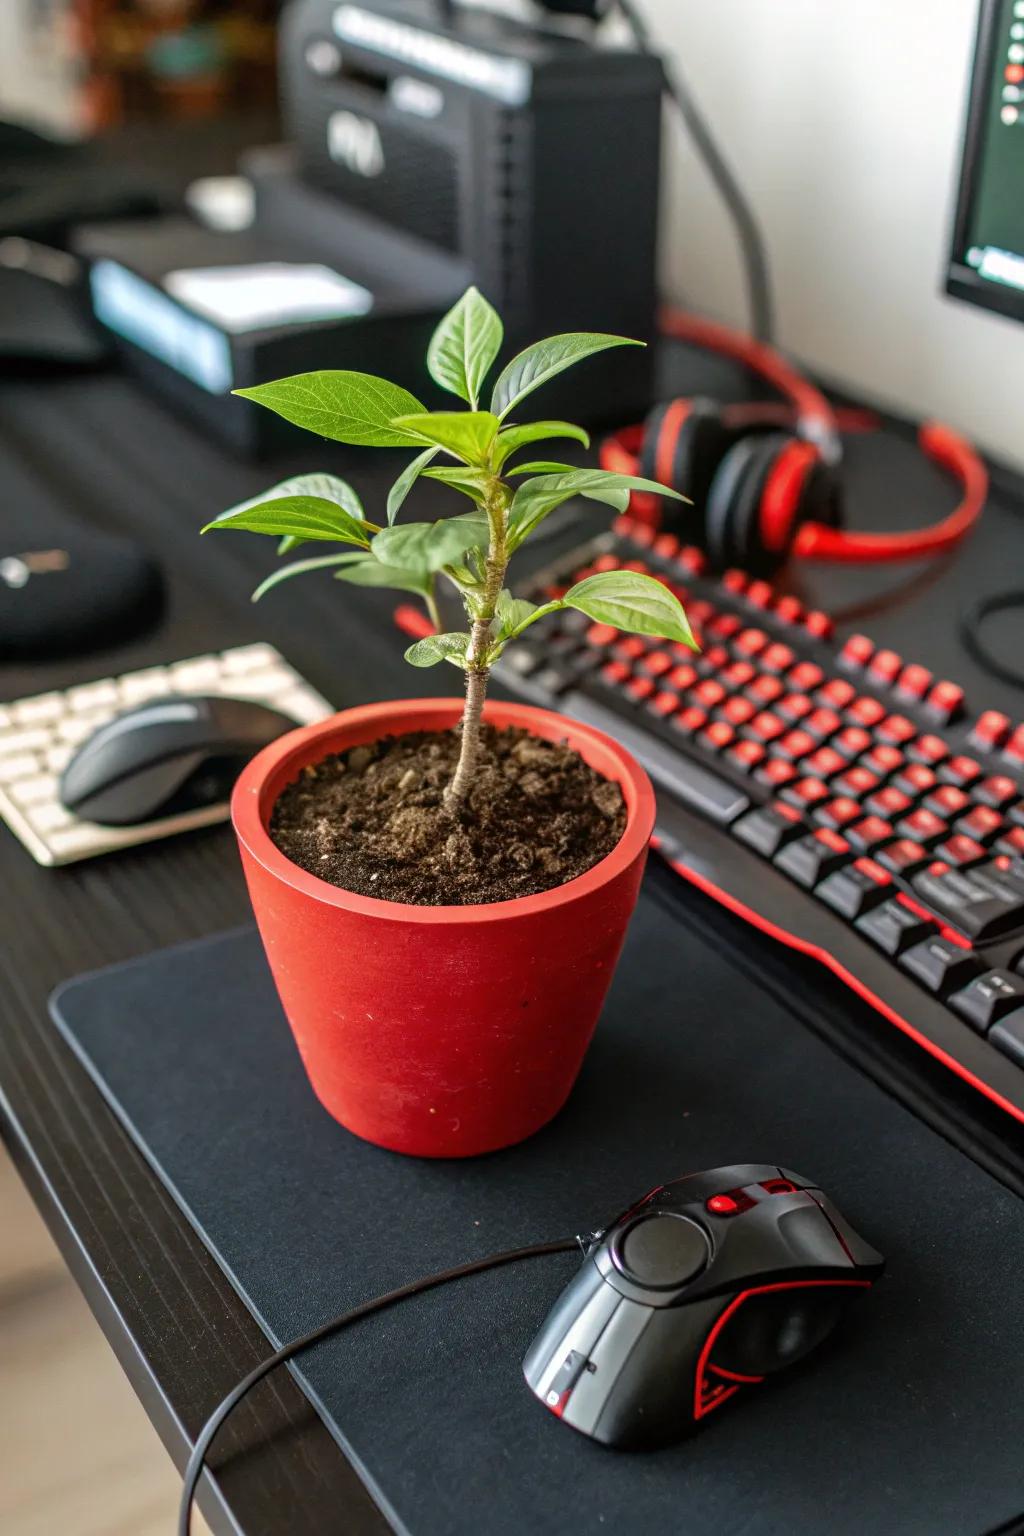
[[805, 677], [873, 871], [961, 850], [777, 657], [824, 762], [794, 707], [638, 532], [997, 791], [700, 610], [915, 779], [688, 720], [990, 730], [884, 759], [889, 801], [960, 771], [896, 729], [765, 689], [886, 666], [856, 781], [682, 678], [1014, 748], [683, 652], [947, 800], [837, 693], [694, 559], [817, 624], [656, 664], [602, 563], [982, 823], [749, 642], [712, 661], [902, 856], [746, 755], [838, 812], [640, 687], [724, 625], [776, 771], [600, 635], [759, 593], [735, 581], [738, 674], [629, 648], [945, 701], [928, 749], [663, 704], [1012, 842], [869, 833], [852, 741], [708, 693], [822, 723], [789, 610], [856, 652], [913, 682], [737, 711], [794, 745], [831, 839], [718, 735], [922, 826], [766, 726], [865, 711], [615, 672], [805, 792], [666, 545]]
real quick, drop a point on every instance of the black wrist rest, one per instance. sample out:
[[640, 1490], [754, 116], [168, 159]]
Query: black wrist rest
[[905, 1422]]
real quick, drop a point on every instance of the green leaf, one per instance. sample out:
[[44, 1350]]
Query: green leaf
[[434, 648], [631, 601], [464, 346], [543, 360], [535, 432], [511, 612], [368, 572], [326, 487], [429, 546], [337, 403], [407, 479], [299, 568], [467, 434], [300, 517], [473, 483], [543, 467], [536, 498]]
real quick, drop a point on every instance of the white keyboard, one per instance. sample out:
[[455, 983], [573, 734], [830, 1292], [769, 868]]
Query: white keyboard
[[38, 737]]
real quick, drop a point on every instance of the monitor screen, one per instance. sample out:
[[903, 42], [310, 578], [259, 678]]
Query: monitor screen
[[987, 259]]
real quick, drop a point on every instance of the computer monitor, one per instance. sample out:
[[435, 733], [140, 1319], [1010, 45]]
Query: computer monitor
[[986, 264]]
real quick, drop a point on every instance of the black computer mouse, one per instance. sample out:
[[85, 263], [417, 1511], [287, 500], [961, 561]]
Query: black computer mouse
[[697, 1293], [165, 757]]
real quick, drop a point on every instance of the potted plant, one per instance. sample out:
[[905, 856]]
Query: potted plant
[[443, 887]]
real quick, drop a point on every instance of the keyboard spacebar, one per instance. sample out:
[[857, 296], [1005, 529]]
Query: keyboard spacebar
[[695, 786]]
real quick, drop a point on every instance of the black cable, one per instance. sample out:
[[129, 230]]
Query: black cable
[[977, 647], [752, 245], [204, 1440]]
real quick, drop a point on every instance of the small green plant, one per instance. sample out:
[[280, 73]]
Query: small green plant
[[471, 550]]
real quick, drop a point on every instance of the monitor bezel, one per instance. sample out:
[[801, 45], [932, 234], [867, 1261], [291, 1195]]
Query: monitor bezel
[[962, 282]]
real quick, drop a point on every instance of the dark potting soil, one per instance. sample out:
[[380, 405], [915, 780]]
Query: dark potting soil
[[373, 820]]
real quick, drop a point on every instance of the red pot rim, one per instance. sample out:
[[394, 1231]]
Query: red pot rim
[[263, 778]]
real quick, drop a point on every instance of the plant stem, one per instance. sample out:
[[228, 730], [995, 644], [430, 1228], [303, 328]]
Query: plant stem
[[477, 671]]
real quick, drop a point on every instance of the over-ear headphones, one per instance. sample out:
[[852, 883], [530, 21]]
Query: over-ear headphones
[[760, 494]]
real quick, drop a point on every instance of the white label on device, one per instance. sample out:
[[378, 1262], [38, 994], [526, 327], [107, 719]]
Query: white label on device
[[258, 295]]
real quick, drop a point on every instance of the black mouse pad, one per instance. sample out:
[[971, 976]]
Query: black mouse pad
[[906, 1421]]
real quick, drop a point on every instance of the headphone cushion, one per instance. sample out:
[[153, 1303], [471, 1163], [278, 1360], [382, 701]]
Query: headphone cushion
[[726, 487], [683, 443]]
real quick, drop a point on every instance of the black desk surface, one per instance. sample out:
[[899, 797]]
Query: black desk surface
[[101, 448]]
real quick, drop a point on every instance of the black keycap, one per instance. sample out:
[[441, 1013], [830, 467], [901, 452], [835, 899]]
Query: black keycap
[[553, 680], [941, 965], [854, 889], [810, 860], [983, 902], [767, 830], [696, 786], [893, 927], [1008, 1036], [989, 998]]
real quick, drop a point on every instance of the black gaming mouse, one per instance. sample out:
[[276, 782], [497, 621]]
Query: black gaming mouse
[[166, 757], [698, 1292]]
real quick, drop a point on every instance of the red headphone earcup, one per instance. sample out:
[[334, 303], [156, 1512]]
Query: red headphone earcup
[[788, 485]]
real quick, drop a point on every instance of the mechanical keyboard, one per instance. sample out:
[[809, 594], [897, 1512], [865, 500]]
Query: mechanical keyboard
[[39, 735], [836, 797]]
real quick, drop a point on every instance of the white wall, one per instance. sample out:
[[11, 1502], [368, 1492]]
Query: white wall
[[843, 119]]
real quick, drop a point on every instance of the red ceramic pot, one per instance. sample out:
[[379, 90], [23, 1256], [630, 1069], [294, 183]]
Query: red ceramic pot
[[439, 1031]]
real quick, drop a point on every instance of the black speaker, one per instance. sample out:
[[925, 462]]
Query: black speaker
[[531, 153]]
